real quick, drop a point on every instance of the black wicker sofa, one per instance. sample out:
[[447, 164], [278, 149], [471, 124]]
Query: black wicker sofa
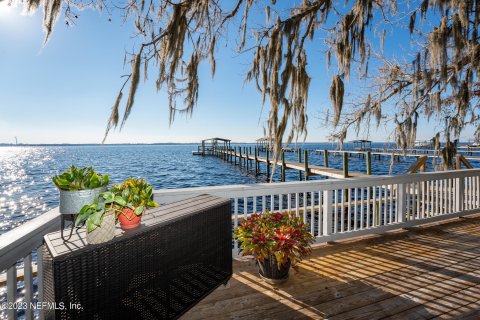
[[180, 253]]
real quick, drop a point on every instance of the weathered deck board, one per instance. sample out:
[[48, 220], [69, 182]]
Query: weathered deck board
[[429, 272]]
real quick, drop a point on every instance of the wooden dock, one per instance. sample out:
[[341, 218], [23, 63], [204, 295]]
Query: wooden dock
[[396, 154], [424, 273], [253, 160]]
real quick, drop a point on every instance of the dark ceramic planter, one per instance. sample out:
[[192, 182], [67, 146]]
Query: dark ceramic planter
[[269, 271]]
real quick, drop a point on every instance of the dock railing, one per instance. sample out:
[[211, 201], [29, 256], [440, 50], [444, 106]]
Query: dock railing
[[333, 210]]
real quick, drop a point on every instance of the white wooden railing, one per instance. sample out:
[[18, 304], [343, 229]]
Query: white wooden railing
[[340, 209], [333, 209]]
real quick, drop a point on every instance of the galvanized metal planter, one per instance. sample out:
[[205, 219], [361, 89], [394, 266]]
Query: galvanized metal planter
[[71, 202], [105, 232]]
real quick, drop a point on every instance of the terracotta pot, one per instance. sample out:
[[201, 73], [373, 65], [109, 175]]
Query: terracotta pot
[[128, 219], [269, 271]]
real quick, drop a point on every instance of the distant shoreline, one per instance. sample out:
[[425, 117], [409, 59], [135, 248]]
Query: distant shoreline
[[126, 144], [91, 144]]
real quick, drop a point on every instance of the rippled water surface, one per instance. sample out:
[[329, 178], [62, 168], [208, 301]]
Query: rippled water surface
[[26, 189]]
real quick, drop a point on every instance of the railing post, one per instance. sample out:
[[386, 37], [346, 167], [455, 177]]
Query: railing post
[[401, 212], [459, 193], [12, 292], [327, 212]]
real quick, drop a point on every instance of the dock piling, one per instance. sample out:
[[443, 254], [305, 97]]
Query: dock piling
[[256, 161], [250, 152], [299, 161], [268, 163], [345, 164], [305, 158], [325, 158], [240, 156], [283, 167], [369, 163]]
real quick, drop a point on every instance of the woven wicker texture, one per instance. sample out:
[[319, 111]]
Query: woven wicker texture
[[156, 272]]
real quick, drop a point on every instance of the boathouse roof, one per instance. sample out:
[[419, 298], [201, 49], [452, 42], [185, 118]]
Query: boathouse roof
[[217, 139]]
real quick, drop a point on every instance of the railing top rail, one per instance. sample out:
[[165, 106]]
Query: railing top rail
[[243, 190], [19, 242]]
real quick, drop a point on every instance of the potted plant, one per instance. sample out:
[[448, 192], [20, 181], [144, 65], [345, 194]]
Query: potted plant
[[99, 217], [79, 187], [138, 194], [276, 240]]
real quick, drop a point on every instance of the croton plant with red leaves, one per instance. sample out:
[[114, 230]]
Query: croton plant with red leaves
[[282, 235]]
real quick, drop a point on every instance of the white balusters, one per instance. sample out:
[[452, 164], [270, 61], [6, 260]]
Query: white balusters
[[312, 213], [349, 198], [355, 203], [342, 212], [41, 314], [28, 285], [280, 202], [369, 198], [12, 291], [327, 212], [335, 210], [297, 204]]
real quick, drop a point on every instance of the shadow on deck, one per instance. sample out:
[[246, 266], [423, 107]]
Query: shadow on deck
[[426, 272]]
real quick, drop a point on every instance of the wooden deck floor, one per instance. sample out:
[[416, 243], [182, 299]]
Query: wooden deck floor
[[424, 273]]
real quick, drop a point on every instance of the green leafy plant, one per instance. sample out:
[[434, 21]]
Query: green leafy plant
[[107, 203], [282, 235], [136, 192], [75, 179]]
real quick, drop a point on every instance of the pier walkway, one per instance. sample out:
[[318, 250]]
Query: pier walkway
[[304, 167], [251, 159], [423, 273]]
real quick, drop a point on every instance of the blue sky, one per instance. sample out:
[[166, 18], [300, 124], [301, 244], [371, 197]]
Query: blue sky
[[63, 92]]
